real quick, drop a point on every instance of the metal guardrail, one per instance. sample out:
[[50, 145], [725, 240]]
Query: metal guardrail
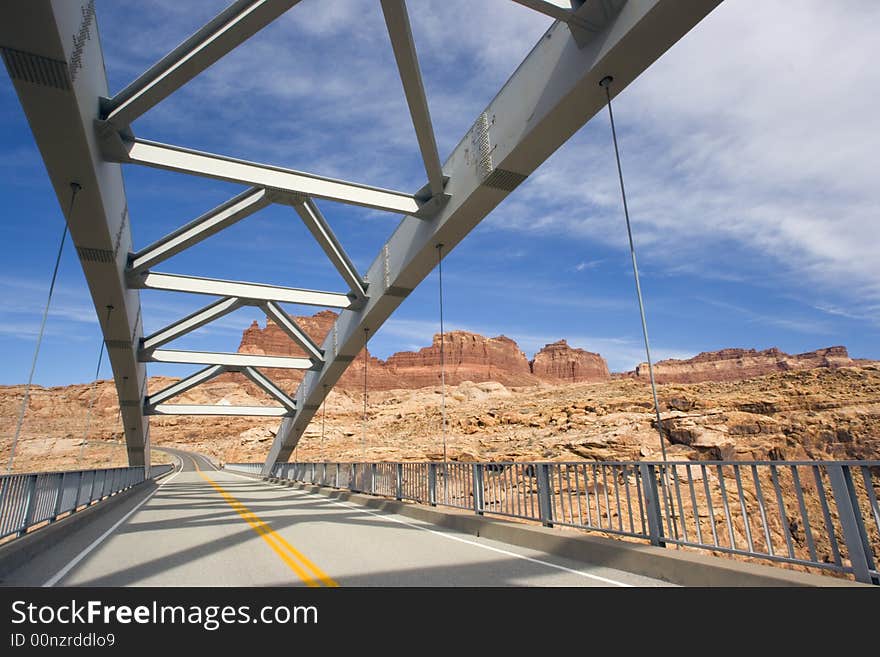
[[822, 514], [248, 468], [27, 500]]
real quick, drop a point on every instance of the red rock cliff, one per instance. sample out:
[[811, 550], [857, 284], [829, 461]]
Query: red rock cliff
[[472, 357], [469, 357], [560, 362], [737, 364]]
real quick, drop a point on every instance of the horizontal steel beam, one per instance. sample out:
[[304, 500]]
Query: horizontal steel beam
[[217, 409], [191, 322], [219, 358], [184, 384], [233, 26], [244, 291], [175, 158], [223, 216]]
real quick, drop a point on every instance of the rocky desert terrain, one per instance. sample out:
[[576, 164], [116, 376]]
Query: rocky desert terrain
[[561, 405]]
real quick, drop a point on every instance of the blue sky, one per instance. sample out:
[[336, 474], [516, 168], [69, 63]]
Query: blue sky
[[751, 152]]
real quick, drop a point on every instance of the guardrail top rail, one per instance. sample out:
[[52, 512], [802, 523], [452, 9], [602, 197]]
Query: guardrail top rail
[[818, 514], [29, 499]]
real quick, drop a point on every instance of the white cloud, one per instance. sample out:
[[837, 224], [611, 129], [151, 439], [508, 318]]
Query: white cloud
[[760, 135], [585, 265]]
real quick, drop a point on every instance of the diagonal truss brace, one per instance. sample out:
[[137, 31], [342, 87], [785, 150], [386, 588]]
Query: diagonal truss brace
[[204, 375], [225, 306], [233, 211], [293, 330], [319, 228], [237, 23], [266, 384], [183, 385], [191, 322], [213, 221], [404, 47]]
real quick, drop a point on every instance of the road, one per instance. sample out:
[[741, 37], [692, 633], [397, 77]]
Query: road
[[207, 527]]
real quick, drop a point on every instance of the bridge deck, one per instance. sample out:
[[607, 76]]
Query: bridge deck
[[204, 527]]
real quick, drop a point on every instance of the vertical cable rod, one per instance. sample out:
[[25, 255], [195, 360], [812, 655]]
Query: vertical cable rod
[[606, 84], [85, 438], [442, 371], [323, 421], [364, 432], [442, 352], [74, 189]]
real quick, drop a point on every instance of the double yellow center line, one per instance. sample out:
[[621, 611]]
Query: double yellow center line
[[307, 571]]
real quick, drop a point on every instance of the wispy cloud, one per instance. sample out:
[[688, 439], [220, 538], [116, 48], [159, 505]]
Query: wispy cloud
[[753, 159], [585, 265], [801, 325]]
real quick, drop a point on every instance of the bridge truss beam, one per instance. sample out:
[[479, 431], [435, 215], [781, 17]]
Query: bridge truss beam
[[84, 136], [552, 94]]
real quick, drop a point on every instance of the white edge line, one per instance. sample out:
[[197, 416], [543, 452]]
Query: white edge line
[[485, 547], [82, 555], [474, 543]]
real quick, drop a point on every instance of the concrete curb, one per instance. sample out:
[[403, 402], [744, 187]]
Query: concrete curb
[[16, 553], [675, 566]]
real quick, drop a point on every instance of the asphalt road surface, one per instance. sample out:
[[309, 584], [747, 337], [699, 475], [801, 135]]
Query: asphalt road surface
[[206, 527]]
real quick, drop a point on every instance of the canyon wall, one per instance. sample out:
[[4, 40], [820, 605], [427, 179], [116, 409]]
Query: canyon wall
[[473, 357], [739, 364]]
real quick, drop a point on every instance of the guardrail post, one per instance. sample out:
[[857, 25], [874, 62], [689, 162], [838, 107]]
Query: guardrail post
[[336, 484], [851, 523], [59, 493], [478, 488], [400, 481], [4, 488], [652, 503], [432, 484], [373, 469], [79, 484], [545, 494], [31, 502]]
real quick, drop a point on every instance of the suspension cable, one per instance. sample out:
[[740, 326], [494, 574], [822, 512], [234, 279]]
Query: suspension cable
[[323, 421], [606, 84], [85, 438], [366, 361], [442, 371], [442, 352], [74, 189]]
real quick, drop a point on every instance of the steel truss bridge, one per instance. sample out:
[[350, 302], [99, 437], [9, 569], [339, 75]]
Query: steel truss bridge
[[86, 136]]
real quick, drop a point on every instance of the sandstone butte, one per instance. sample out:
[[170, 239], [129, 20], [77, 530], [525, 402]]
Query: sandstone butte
[[468, 357]]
